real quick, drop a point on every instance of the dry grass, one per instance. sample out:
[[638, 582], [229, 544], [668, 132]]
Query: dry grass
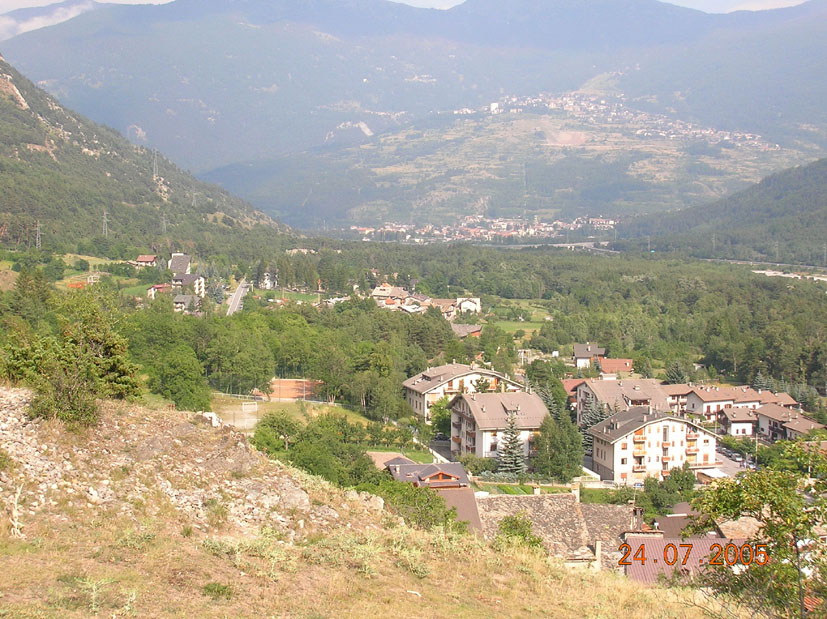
[[105, 567]]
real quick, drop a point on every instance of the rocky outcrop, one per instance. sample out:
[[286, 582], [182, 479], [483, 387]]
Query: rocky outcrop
[[137, 462]]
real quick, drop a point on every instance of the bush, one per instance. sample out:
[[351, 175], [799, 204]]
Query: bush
[[476, 465], [218, 591], [420, 507], [518, 529]]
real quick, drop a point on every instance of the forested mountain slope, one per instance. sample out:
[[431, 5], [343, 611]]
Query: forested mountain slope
[[782, 218], [60, 169]]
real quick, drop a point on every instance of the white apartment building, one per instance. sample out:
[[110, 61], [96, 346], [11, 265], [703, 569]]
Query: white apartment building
[[478, 421], [422, 390], [640, 442]]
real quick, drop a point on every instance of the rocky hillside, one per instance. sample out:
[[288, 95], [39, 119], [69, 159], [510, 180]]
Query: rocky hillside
[[158, 513]]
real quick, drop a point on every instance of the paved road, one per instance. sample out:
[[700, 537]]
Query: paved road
[[237, 298]]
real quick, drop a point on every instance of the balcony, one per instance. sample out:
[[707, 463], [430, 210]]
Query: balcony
[[666, 458], [704, 465], [667, 444], [691, 450], [456, 439], [639, 468], [639, 438], [470, 434], [457, 424], [691, 436], [639, 453]]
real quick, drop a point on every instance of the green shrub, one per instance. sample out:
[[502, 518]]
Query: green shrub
[[218, 591], [518, 529]]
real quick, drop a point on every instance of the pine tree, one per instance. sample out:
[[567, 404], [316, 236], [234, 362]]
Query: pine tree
[[593, 413], [511, 454], [762, 382], [675, 374]]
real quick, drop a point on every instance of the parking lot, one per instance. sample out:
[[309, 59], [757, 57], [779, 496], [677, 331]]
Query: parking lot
[[729, 466]]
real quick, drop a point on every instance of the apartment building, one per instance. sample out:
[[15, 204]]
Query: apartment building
[[641, 442], [478, 421]]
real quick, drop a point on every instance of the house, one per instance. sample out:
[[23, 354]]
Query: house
[[269, 281], [427, 387], [186, 303], [771, 420], [185, 281], [800, 425], [158, 288], [463, 331], [469, 305], [621, 395], [707, 402], [479, 419], [449, 480], [448, 307], [676, 396], [584, 354], [615, 367], [738, 422], [179, 263], [147, 260], [386, 291], [641, 442]]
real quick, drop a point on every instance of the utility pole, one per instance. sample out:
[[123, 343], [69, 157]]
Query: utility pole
[[105, 223], [37, 236]]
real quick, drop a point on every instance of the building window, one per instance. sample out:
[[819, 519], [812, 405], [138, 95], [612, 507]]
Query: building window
[[623, 460], [623, 445]]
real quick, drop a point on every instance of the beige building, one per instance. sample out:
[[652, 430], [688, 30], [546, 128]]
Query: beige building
[[640, 442], [422, 390], [478, 421]]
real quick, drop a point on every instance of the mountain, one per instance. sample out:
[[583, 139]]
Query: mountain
[[23, 20], [782, 218], [305, 79], [60, 169]]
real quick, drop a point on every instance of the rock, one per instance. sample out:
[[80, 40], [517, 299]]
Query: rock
[[293, 497], [372, 502]]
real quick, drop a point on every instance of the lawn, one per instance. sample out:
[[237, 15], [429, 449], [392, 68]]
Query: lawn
[[304, 297], [419, 455], [517, 489]]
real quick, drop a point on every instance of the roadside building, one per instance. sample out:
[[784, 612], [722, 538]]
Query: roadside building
[[641, 442]]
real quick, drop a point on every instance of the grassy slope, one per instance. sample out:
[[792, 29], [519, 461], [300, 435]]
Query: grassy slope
[[140, 555]]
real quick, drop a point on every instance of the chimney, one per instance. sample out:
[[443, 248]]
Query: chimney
[[598, 551]]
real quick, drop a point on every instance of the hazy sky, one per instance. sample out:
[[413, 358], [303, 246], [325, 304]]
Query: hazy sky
[[704, 5]]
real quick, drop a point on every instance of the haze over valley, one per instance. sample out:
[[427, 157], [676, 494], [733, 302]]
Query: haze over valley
[[359, 113]]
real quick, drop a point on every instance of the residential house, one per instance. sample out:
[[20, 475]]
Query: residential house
[[463, 331], [158, 288], [269, 281], [187, 303], [179, 263], [677, 395], [448, 307], [707, 402], [585, 354], [147, 260], [615, 367], [801, 425], [478, 421], [740, 422], [641, 442], [427, 387], [449, 480], [469, 305], [189, 281], [621, 395]]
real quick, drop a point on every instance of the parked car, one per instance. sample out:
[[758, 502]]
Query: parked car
[[738, 458]]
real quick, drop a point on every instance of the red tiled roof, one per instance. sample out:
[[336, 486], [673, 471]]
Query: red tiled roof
[[613, 366], [571, 384], [649, 571]]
